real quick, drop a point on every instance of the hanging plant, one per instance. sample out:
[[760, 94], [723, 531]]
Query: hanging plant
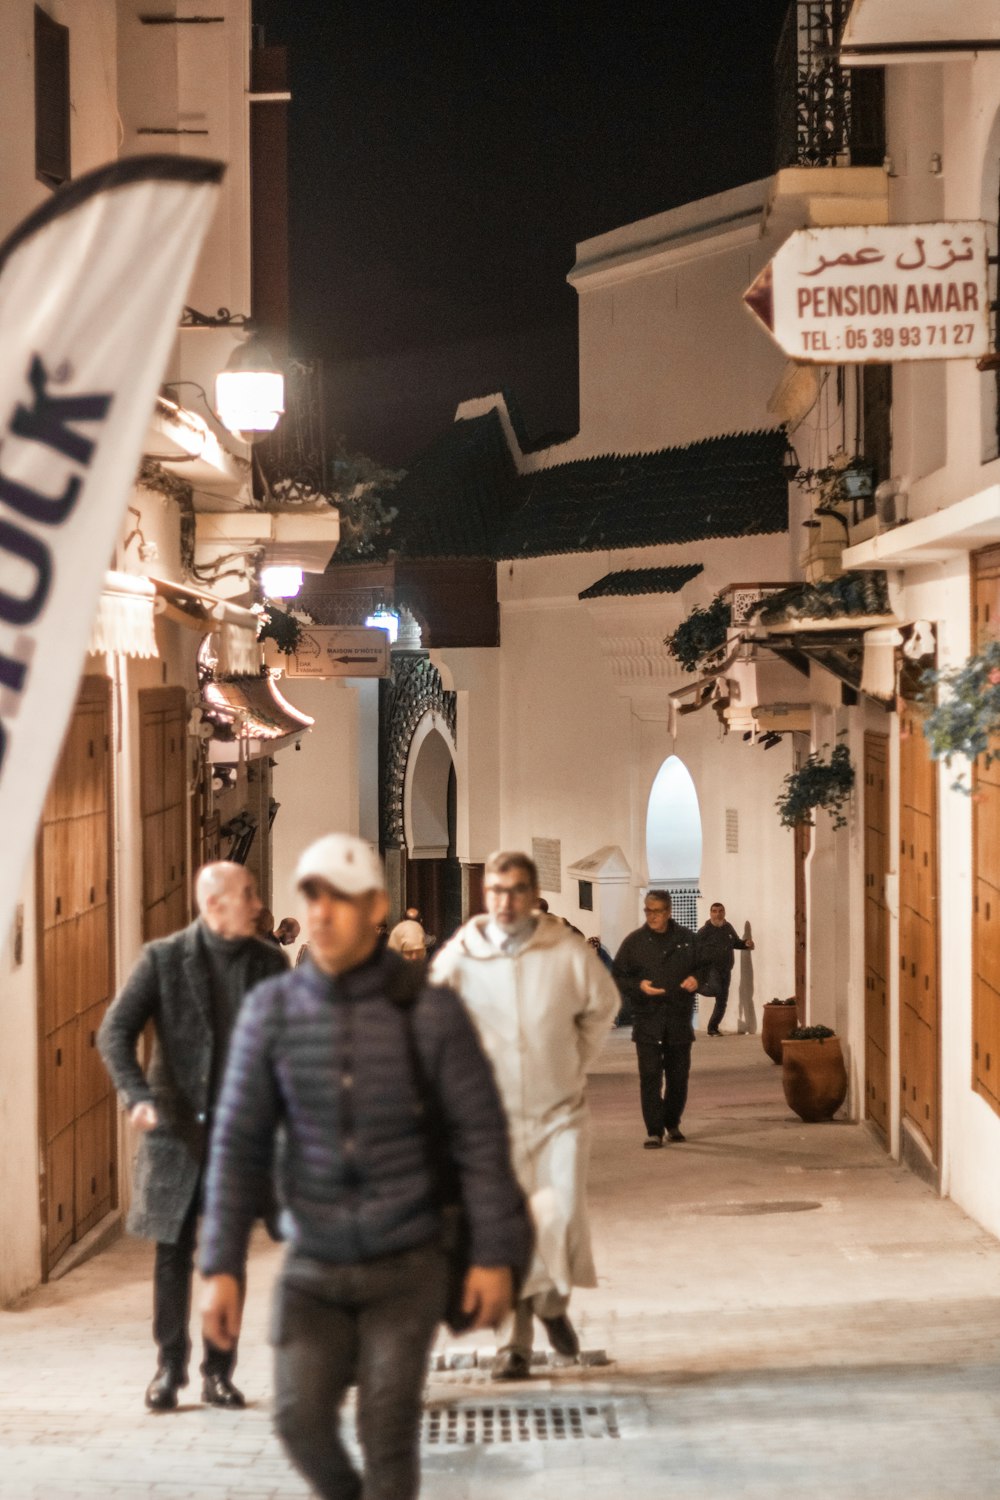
[[841, 478], [967, 721], [282, 628], [817, 783], [701, 635]]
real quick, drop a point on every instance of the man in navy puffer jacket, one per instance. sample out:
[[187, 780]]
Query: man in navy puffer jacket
[[327, 1052]]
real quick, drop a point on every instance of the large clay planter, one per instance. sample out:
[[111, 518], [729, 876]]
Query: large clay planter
[[778, 1021], [814, 1077]]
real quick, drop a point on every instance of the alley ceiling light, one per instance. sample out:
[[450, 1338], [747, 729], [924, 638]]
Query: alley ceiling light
[[281, 582], [250, 391]]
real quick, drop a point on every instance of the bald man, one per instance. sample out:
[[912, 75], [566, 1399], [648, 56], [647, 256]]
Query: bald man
[[191, 986]]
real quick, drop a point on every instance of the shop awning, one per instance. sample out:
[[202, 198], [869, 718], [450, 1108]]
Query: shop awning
[[236, 628], [249, 718], [124, 619]]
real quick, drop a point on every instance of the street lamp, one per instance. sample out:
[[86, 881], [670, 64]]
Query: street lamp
[[250, 391]]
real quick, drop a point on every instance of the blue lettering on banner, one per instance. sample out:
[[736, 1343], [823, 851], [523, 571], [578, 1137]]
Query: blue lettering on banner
[[47, 421]]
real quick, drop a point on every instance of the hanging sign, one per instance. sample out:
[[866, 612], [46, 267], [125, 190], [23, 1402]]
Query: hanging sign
[[337, 651], [91, 286], [878, 293]]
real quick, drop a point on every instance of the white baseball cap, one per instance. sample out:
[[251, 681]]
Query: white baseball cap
[[348, 864]]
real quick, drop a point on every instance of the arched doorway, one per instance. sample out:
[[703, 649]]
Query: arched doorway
[[433, 873], [673, 838]]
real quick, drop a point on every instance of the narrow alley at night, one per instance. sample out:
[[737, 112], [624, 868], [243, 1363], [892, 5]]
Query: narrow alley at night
[[785, 1311]]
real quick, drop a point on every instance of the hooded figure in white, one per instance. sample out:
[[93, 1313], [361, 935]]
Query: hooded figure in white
[[542, 1003]]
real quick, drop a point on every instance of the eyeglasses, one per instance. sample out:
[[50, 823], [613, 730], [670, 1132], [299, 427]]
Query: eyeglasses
[[499, 891]]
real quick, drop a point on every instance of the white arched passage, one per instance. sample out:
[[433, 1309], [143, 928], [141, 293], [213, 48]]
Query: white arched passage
[[673, 838], [429, 769]]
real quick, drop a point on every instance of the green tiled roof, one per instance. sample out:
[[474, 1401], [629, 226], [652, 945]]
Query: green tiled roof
[[463, 497], [457, 498], [643, 581], [850, 594], [720, 487]]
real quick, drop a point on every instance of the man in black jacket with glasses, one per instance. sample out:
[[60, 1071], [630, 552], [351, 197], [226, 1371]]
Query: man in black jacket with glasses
[[658, 970]]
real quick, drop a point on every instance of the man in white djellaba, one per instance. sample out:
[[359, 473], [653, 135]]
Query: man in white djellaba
[[542, 1003]]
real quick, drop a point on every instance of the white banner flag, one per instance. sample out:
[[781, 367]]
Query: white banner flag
[[91, 286]]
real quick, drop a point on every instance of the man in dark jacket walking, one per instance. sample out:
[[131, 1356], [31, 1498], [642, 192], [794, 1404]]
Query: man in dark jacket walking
[[346, 1051], [190, 985], [658, 972], [717, 940]]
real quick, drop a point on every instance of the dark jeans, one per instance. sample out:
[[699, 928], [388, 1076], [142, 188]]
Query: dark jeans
[[663, 1083], [370, 1323], [173, 1271], [720, 986]]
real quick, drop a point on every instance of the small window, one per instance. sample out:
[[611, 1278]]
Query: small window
[[52, 162], [586, 895]]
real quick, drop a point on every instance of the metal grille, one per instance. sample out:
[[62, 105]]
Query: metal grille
[[732, 830], [458, 1426], [826, 115], [684, 896]]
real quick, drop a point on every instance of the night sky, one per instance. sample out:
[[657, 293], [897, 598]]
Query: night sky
[[446, 158]]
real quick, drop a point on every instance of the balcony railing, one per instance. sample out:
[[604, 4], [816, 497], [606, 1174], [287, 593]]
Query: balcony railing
[[826, 115]]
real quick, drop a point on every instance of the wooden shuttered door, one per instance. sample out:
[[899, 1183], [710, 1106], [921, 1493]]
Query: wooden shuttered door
[[77, 1105], [164, 810], [877, 932], [919, 995], [986, 861]]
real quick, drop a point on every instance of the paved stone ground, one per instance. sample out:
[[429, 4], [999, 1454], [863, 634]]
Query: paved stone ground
[[786, 1310]]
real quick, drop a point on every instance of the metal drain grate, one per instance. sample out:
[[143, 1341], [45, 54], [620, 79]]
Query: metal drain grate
[[455, 1426], [740, 1210]]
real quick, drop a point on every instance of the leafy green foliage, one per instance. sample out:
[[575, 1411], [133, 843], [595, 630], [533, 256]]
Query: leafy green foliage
[[810, 1034], [281, 628], [967, 721], [701, 635], [818, 783]]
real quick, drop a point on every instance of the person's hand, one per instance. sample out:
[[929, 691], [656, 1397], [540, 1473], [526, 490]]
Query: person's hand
[[690, 984], [143, 1116], [488, 1295], [221, 1311], [749, 943], [649, 988]]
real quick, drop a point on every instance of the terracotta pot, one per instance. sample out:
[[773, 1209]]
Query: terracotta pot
[[814, 1077], [778, 1021]]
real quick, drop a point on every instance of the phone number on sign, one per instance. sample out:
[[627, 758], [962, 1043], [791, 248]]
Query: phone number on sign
[[911, 337]]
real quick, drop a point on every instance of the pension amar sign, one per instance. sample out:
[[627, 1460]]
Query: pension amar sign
[[878, 293]]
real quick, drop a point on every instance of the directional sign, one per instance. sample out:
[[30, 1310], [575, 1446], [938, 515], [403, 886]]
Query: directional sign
[[333, 651], [878, 293]]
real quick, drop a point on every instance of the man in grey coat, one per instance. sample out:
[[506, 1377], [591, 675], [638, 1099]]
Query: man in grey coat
[[191, 986]]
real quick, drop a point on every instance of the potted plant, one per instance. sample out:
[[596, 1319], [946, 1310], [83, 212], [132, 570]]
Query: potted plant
[[817, 783], [813, 1073], [967, 721], [702, 635], [836, 488], [780, 1018]]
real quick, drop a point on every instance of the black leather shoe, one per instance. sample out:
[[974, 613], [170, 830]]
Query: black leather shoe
[[675, 1135], [509, 1364], [562, 1335], [161, 1392], [218, 1390]]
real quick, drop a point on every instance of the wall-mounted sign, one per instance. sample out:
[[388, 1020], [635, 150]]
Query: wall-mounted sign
[[335, 651], [878, 293]]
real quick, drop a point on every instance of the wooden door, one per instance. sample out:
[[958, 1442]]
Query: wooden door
[[919, 994], [75, 931], [163, 767], [801, 853], [986, 861], [877, 932]]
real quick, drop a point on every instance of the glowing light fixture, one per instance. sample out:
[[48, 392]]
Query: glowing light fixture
[[383, 619], [250, 391], [281, 582]]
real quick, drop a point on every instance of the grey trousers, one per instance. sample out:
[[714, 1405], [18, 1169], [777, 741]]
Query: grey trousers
[[369, 1324], [516, 1333]]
